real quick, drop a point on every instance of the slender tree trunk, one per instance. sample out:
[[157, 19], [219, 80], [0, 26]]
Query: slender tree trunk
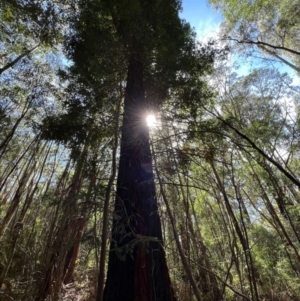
[[178, 244], [72, 253], [79, 227], [6, 177], [52, 281], [8, 138], [137, 268], [15, 202], [17, 59], [243, 238], [30, 195], [101, 276], [259, 150], [208, 283], [278, 225]]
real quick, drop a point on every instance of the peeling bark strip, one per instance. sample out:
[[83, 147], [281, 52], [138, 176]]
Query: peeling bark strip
[[137, 267]]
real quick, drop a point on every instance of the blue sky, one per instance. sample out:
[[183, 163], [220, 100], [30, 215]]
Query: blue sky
[[206, 21], [202, 17]]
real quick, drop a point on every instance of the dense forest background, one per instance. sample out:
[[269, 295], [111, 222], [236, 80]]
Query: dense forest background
[[225, 147]]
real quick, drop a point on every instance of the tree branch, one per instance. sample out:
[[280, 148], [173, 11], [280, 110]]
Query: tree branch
[[259, 150], [258, 43], [16, 60]]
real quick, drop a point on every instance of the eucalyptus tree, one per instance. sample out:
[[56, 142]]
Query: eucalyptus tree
[[222, 163], [270, 27], [255, 131], [173, 167]]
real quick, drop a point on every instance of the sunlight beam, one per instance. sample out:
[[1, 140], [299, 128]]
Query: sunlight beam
[[151, 120]]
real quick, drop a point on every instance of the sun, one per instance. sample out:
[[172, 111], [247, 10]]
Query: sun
[[151, 120]]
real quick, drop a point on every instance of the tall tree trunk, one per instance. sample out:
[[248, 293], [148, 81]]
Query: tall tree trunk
[[104, 234], [137, 268]]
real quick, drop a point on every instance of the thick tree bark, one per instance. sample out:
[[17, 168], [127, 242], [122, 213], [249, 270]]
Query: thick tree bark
[[137, 268]]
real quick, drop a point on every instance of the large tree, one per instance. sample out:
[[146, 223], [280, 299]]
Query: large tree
[[145, 45], [161, 57], [227, 176]]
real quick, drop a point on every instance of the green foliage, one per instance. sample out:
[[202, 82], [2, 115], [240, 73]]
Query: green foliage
[[139, 243], [37, 20], [76, 115], [64, 128], [271, 25]]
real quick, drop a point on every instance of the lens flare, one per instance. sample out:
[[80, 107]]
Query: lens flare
[[151, 120]]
